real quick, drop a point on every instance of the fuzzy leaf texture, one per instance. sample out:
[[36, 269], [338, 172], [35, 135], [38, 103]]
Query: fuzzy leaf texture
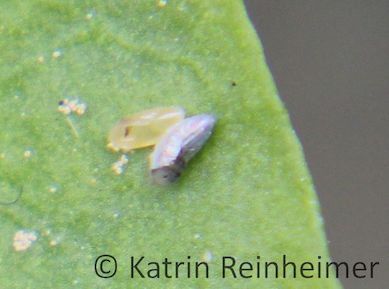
[[246, 194]]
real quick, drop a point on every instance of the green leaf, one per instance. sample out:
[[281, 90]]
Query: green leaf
[[246, 194]]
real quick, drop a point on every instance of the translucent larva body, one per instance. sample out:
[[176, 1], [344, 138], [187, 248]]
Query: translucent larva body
[[144, 128], [180, 143]]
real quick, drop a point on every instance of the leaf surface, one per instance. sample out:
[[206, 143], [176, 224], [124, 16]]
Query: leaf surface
[[246, 194]]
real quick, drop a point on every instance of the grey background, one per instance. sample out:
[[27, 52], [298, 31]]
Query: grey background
[[330, 61]]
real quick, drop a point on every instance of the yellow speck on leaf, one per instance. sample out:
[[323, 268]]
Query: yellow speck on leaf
[[23, 240]]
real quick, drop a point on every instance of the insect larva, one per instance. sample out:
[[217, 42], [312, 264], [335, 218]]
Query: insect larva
[[180, 143], [144, 128]]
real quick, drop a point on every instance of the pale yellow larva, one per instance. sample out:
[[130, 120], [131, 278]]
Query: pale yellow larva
[[144, 128]]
